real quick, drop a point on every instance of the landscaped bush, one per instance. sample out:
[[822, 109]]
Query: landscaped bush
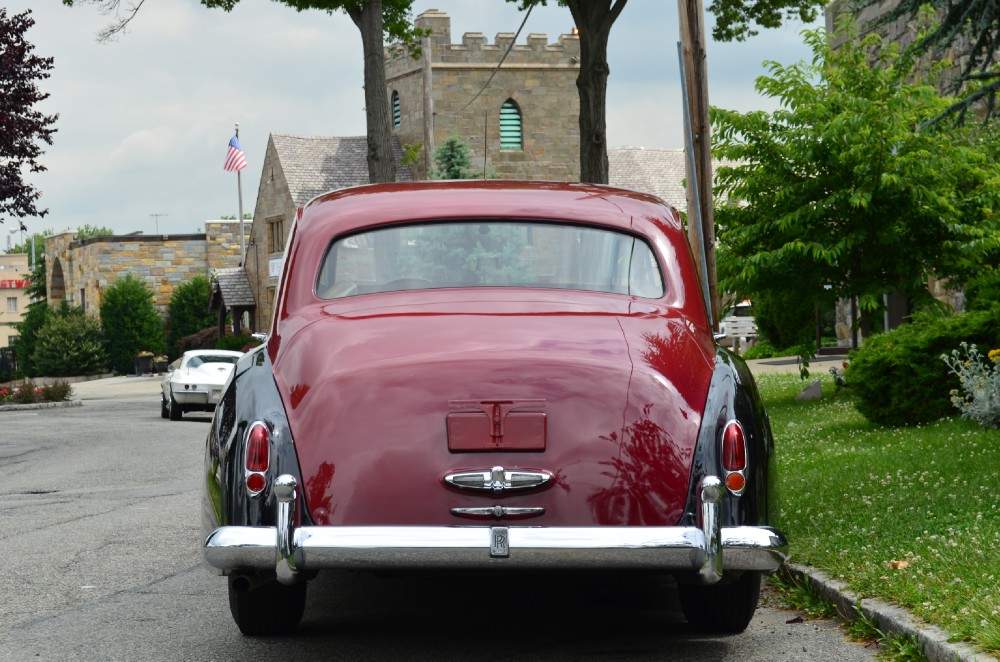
[[983, 291], [70, 343], [899, 376], [131, 323], [239, 343], [785, 320], [25, 393]]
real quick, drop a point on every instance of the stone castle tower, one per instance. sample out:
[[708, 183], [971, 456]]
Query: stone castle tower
[[523, 125]]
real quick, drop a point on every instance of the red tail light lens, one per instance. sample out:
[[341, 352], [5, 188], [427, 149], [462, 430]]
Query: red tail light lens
[[258, 458], [734, 457], [734, 448]]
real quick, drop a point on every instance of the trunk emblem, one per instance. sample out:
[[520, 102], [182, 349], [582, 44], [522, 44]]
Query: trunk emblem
[[498, 480]]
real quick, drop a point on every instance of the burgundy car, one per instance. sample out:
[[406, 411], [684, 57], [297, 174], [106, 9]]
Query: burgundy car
[[494, 375]]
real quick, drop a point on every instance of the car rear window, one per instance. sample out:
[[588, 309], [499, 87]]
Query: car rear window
[[489, 254]]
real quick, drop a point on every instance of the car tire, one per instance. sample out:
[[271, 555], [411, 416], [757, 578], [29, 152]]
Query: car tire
[[722, 608], [175, 410], [164, 410], [268, 608]]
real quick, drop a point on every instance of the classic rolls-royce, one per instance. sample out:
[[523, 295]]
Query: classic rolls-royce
[[494, 375]]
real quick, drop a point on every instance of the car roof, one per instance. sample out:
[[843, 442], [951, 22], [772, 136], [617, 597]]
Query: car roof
[[359, 207], [211, 352]]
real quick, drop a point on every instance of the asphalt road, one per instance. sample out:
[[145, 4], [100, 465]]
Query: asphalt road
[[100, 537]]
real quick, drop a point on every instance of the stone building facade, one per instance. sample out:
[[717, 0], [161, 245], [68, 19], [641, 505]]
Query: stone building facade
[[533, 93], [14, 280], [78, 271]]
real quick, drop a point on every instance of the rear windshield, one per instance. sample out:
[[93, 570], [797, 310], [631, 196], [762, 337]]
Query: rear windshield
[[489, 254], [196, 361]]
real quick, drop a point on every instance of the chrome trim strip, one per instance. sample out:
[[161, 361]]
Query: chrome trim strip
[[498, 480], [498, 511]]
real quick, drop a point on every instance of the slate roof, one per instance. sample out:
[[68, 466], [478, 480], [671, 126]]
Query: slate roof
[[233, 286], [317, 164], [658, 171]]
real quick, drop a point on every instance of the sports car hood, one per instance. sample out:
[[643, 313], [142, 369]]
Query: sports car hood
[[368, 394]]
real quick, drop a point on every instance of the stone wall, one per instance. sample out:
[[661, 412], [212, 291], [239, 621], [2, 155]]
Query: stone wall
[[80, 270], [539, 76]]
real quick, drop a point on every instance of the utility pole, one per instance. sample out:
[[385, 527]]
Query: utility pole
[[156, 219], [701, 220]]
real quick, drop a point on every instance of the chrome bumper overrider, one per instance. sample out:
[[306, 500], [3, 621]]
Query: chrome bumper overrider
[[708, 550]]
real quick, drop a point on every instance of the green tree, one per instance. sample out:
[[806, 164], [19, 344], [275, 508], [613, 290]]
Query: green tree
[[594, 19], [27, 335], [451, 160], [86, 231], [737, 20], [23, 126], [846, 191], [69, 343], [131, 323], [188, 310]]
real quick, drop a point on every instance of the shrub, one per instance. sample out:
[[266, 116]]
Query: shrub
[[70, 343], [899, 376], [57, 391], [983, 291], [979, 377], [25, 393], [188, 310], [239, 343], [130, 322], [27, 335], [785, 320]]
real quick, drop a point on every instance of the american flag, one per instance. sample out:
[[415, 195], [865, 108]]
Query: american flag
[[235, 160]]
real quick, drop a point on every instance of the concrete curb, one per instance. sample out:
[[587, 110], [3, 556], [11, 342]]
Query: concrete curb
[[42, 405], [888, 618]]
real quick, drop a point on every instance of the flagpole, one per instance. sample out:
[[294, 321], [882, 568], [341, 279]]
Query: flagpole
[[239, 190]]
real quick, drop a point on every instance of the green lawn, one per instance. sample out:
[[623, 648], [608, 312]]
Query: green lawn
[[909, 515]]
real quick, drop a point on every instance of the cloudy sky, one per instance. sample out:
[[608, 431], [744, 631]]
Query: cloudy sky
[[144, 121]]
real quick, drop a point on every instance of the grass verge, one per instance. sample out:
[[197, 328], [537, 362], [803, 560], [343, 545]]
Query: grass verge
[[908, 515]]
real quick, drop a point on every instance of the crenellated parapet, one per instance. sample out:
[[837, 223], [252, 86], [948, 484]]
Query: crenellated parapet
[[462, 88]]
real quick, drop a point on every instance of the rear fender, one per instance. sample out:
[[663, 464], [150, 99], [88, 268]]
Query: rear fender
[[259, 400], [733, 394]]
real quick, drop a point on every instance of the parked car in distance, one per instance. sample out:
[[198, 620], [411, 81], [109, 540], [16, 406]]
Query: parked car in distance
[[195, 381], [493, 375]]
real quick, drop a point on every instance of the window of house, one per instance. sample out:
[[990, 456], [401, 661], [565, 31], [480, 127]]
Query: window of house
[[395, 110], [276, 240], [511, 136], [11, 304]]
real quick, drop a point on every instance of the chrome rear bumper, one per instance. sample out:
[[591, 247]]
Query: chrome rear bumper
[[708, 550]]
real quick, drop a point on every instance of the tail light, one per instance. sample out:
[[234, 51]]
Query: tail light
[[734, 457], [257, 459]]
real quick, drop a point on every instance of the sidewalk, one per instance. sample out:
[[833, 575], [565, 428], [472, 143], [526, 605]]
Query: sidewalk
[[790, 365]]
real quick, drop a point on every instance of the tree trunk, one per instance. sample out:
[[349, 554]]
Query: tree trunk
[[594, 19], [381, 165]]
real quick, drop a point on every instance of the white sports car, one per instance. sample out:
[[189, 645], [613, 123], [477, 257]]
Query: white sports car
[[195, 381]]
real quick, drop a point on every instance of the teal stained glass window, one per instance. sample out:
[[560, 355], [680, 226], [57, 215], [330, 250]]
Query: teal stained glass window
[[510, 126], [395, 109]]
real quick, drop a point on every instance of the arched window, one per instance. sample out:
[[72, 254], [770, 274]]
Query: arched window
[[510, 126], [395, 109]]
